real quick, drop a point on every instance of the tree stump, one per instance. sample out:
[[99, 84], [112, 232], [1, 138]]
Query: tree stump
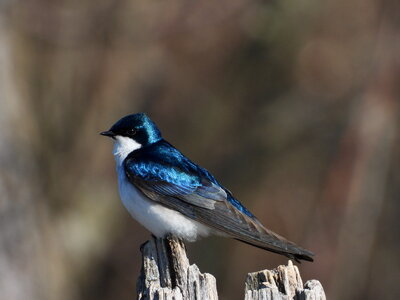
[[282, 283], [167, 275]]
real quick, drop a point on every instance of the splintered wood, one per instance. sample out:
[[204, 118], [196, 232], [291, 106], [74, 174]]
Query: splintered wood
[[167, 275], [282, 283]]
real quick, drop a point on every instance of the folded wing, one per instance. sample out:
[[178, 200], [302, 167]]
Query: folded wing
[[193, 192]]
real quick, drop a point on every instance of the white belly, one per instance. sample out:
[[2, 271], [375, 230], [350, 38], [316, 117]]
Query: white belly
[[157, 218]]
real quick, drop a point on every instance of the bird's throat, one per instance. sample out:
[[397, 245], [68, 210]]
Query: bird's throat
[[123, 146]]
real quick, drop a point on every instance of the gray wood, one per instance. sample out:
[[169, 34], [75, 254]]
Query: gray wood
[[167, 275], [282, 283]]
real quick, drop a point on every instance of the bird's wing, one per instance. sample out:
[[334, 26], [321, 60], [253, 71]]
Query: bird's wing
[[154, 177], [193, 193]]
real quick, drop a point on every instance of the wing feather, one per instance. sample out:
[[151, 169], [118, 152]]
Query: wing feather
[[192, 191], [226, 218], [188, 187]]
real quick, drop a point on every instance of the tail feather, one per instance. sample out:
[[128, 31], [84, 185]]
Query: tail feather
[[301, 254], [271, 241], [249, 230]]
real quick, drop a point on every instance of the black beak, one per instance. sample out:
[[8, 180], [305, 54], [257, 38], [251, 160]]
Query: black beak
[[108, 133]]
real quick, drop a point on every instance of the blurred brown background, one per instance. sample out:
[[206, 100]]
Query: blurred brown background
[[293, 105]]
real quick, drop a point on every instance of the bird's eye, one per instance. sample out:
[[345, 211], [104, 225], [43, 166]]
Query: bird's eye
[[132, 131]]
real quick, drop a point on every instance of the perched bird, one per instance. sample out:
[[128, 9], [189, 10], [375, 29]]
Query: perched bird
[[169, 194]]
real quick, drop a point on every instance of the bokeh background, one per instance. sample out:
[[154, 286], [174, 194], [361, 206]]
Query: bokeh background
[[293, 105]]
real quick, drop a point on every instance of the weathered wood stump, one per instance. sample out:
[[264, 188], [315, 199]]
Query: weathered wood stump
[[282, 283], [167, 275]]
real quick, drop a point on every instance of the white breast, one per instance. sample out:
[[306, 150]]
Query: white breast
[[156, 218]]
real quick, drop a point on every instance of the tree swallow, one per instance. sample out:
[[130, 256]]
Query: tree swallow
[[169, 194]]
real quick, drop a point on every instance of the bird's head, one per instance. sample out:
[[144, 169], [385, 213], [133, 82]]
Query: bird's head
[[133, 132]]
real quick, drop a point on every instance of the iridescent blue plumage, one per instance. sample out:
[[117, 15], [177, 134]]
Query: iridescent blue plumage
[[167, 170], [149, 133]]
